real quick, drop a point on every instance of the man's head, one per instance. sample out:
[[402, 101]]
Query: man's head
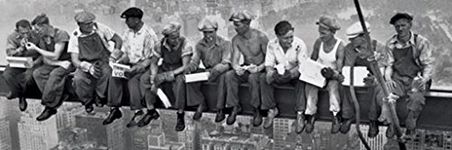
[[356, 35], [85, 21], [23, 27], [284, 33], [209, 29], [133, 17], [327, 27], [171, 32], [402, 23], [41, 22], [241, 21]]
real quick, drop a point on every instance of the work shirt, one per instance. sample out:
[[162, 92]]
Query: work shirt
[[15, 39], [276, 55], [219, 52], [172, 56], [252, 48], [422, 52], [105, 33], [138, 45], [57, 36]]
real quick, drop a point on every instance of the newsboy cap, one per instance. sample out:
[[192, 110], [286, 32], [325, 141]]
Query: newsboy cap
[[328, 22], [84, 17], [241, 16], [207, 24], [132, 12], [171, 27], [400, 15], [356, 29]]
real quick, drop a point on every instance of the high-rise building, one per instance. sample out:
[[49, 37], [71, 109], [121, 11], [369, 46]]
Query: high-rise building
[[281, 129], [110, 135], [376, 143], [36, 134], [66, 115], [227, 142], [5, 132]]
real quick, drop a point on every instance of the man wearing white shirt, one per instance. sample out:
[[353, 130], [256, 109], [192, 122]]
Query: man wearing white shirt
[[90, 55], [281, 63]]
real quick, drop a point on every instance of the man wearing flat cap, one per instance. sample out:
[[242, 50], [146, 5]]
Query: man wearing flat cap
[[357, 53], [175, 52], [138, 42], [250, 45], [91, 54], [410, 68], [329, 51], [215, 53], [281, 63], [52, 75], [19, 79]]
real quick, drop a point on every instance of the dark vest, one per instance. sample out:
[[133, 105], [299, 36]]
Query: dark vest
[[172, 58]]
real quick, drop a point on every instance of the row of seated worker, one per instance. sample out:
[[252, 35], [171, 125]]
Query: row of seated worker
[[131, 68]]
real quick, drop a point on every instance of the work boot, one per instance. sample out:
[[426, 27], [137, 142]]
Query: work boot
[[46, 114], [335, 125], [114, 114], [299, 123], [345, 126], [390, 131], [180, 125], [220, 116], [132, 121], [233, 115], [272, 113], [257, 117], [198, 113], [310, 123], [150, 115], [89, 108], [373, 129], [22, 104], [10, 95]]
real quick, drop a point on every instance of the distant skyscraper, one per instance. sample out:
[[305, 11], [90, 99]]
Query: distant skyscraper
[[110, 135], [376, 143], [34, 134], [66, 115], [281, 130], [5, 132]]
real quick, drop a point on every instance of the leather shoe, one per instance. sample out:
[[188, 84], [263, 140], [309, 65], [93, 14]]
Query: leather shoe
[[373, 129], [232, 117], [220, 116], [89, 108], [257, 117], [180, 125], [150, 115], [10, 95], [310, 123], [115, 113], [335, 125], [345, 126], [198, 113], [46, 114], [132, 121], [299, 123], [22, 103], [272, 113]]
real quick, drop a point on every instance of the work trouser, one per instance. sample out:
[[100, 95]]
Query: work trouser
[[178, 87], [347, 105], [117, 86], [18, 79], [90, 89], [197, 97], [312, 97], [51, 81], [232, 88], [267, 91]]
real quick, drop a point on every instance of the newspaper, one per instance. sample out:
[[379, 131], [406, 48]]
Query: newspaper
[[118, 70], [20, 62], [310, 73]]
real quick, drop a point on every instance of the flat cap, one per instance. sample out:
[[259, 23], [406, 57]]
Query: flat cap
[[328, 22], [356, 29], [132, 12], [40, 19], [241, 16], [171, 28], [84, 17], [400, 15], [207, 24]]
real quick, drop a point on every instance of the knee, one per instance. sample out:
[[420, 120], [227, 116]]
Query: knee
[[230, 75], [180, 79], [37, 74], [254, 78]]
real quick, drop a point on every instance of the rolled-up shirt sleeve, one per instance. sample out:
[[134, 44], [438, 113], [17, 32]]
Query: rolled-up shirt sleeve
[[227, 53], [156, 51], [425, 58], [270, 60], [187, 50], [73, 44]]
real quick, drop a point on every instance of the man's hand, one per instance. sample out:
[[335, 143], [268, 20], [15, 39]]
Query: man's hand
[[213, 75], [116, 54], [30, 46], [327, 72], [369, 80], [269, 77], [391, 85], [95, 71], [154, 88], [418, 84], [163, 77], [253, 68], [65, 64], [240, 71]]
